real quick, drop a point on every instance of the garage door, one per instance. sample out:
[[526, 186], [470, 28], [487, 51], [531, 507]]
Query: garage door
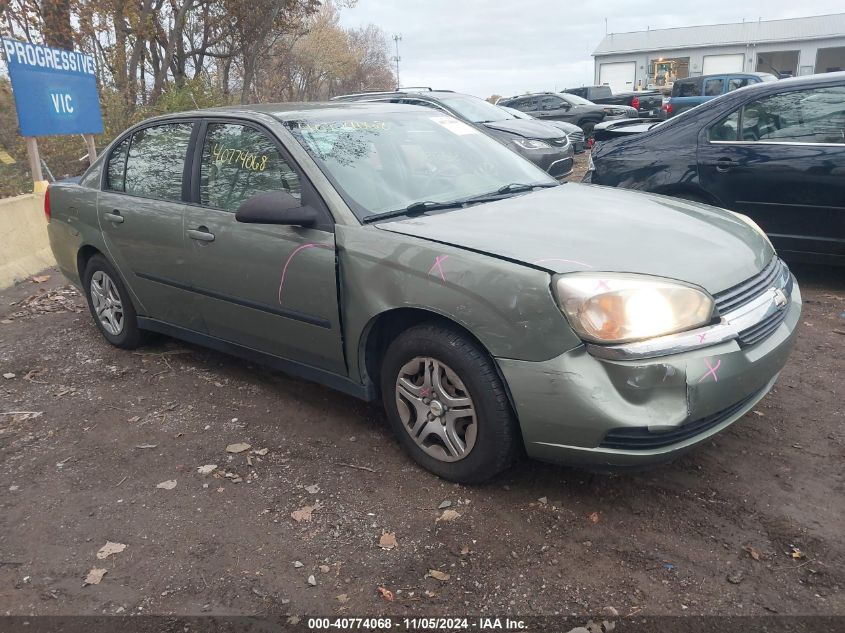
[[618, 75], [718, 64]]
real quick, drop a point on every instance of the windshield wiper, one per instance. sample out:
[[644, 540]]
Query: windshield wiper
[[517, 187], [419, 208], [413, 210]]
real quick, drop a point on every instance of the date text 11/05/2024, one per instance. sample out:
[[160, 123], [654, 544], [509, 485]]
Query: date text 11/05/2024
[[414, 624]]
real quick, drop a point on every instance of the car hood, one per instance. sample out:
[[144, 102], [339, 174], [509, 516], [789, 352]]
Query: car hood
[[525, 128], [578, 227]]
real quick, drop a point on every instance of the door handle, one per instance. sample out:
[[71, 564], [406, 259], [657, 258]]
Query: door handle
[[724, 164], [201, 234], [114, 217]]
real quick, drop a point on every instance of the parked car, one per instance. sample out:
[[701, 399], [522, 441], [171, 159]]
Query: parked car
[[692, 91], [647, 103], [774, 151], [543, 145], [553, 106], [574, 133], [400, 254]]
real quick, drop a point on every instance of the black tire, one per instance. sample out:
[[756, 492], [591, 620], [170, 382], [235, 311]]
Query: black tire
[[130, 336], [497, 440], [588, 129]]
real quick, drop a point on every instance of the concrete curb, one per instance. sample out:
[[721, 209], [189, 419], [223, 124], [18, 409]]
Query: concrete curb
[[24, 245]]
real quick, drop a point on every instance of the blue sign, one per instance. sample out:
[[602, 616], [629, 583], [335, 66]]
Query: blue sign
[[55, 90]]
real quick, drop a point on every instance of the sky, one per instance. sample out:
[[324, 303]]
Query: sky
[[486, 47]]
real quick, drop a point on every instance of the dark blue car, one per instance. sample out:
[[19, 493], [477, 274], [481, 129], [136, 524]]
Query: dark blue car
[[774, 151]]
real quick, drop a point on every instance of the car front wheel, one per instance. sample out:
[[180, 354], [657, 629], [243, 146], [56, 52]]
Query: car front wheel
[[110, 304], [447, 405]]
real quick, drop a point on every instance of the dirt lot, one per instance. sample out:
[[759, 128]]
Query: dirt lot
[[752, 523]]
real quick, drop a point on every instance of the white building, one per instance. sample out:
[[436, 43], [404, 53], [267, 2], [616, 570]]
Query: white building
[[655, 58]]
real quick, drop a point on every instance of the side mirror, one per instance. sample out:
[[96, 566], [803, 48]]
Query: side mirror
[[276, 207]]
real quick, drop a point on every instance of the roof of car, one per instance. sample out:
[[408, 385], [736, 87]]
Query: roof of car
[[299, 110], [422, 94], [733, 74]]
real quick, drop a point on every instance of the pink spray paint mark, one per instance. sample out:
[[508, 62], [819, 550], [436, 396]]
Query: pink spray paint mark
[[564, 261], [711, 370], [602, 285], [701, 337], [291, 256], [438, 264]]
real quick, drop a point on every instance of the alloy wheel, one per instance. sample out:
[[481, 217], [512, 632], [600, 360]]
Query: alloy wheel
[[107, 304]]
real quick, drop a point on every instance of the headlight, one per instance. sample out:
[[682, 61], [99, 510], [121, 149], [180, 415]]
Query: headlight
[[614, 308], [531, 143], [754, 226]]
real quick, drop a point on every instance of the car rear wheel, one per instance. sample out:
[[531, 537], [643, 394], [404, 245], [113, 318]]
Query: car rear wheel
[[447, 405], [110, 304]]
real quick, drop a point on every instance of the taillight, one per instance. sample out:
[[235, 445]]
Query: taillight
[[635, 103], [47, 212], [667, 107]]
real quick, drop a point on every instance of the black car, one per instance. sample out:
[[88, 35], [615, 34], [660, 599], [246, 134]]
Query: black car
[[774, 151], [566, 107], [544, 145]]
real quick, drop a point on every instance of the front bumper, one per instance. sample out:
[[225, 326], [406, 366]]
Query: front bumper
[[582, 410], [557, 162]]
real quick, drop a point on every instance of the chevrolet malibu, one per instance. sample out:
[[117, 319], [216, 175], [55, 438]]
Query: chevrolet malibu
[[397, 253]]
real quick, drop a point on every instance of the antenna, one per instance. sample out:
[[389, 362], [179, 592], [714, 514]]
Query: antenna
[[396, 39]]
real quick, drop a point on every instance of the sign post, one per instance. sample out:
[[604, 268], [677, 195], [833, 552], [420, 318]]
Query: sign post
[[55, 94]]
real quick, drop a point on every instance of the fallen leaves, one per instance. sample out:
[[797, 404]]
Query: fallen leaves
[[207, 469], [312, 490], [447, 516], [109, 549], [40, 279], [387, 540], [343, 598], [170, 484], [594, 517], [386, 594], [238, 447], [797, 553], [95, 576], [442, 576], [304, 513], [752, 552]]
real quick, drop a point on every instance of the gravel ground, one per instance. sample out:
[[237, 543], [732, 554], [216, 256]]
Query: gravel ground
[[324, 514]]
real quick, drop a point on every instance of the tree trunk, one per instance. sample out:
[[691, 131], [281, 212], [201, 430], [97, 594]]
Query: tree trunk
[[57, 31]]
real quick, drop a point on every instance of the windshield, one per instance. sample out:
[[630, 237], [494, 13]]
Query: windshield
[[474, 109], [385, 161], [575, 99], [516, 114]]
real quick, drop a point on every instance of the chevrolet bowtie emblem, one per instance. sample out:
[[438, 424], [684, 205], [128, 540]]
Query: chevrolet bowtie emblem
[[780, 299]]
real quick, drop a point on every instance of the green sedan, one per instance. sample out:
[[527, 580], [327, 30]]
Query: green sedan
[[396, 253]]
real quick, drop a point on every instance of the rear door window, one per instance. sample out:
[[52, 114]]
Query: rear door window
[[686, 89], [240, 162], [156, 161]]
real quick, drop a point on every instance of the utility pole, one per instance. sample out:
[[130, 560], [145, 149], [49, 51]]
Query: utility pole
[[396, 39]]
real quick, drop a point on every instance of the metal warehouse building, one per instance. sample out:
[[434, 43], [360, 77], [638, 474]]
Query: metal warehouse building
[[656, 58]]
